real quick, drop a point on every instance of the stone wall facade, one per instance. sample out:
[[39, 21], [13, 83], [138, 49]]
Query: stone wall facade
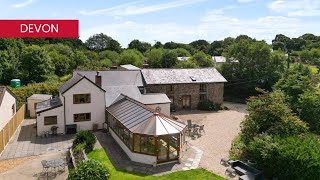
[[179, 92]]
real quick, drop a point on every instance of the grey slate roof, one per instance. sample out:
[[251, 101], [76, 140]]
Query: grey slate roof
[[40, 96], [112, 92], [114, 77], [154, 98], [72, 81], [129, 67], [182, 76], [3, 89], [48, 104], [140, 119]]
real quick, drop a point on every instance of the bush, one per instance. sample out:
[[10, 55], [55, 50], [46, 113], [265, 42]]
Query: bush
[[85, 137], [209, 106], [89, 169], [295, 157]]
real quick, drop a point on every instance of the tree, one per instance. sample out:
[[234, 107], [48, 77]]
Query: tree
[[201, 45], [61, 56], [187, 64], [36, 64], [295, 82], [154, 57], [181, 52], [100, 42], [270, 114], [131, 56], [79, 59], [295, 157], [256, 67], [243, 37], [138, 45], [169, 59], [202, 59], [308, 106], [281, 42], [111, 55], [216, 48], [158, 44]]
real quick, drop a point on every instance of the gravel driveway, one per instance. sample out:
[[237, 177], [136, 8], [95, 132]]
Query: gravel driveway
[[220, 129]]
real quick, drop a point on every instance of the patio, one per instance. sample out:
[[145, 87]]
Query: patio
[[32, 168], [25, 142], [220, 129]]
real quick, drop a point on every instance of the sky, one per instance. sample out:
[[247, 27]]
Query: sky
[[175, 20]]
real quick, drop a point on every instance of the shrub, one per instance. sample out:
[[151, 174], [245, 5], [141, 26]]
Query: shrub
[[209, 106], [295, 157], [89, 169], [85, 137]]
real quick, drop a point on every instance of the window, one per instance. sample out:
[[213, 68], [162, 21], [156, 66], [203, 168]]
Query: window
[[171, 88], [82, 117], [203, 97], [81, 98], [50, 120], [203, 88]]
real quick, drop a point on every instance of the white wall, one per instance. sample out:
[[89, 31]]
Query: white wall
[[96, 107], [141, 158], [6, 112], [52, 112], [165, 108], [31, 102]]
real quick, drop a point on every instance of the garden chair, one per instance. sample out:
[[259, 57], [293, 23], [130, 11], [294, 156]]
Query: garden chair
[[224, 162], [195, 132], [202, 129], [45, 167], [189, 124]]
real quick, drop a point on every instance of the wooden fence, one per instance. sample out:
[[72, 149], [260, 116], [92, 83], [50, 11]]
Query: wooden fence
[[9, 129]]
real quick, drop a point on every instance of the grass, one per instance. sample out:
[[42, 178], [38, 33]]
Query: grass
[[116, 174]]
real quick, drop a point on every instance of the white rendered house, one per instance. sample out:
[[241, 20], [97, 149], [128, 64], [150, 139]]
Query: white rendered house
[[7, 106], [80, 106]]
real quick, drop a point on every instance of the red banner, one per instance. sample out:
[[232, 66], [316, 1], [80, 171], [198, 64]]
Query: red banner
[[39, 28]]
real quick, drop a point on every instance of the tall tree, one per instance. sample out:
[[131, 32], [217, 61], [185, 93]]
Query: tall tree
[[154, 57], [202, 59], [36, 64], [169, 59], [138, 45], [131, 56], [201, 45], [100, 42]]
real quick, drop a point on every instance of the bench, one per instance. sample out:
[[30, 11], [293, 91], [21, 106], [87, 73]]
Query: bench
[[245, 171]]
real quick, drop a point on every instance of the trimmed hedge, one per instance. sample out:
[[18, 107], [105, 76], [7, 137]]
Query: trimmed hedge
[[89, 169]]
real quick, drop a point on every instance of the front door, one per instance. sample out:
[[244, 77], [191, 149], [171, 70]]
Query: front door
[[186, 102]]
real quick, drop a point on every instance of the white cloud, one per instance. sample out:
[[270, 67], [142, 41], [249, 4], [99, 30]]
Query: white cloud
[[23, 4], [246, 1], [215, 25], [136, 8], [296, 8]]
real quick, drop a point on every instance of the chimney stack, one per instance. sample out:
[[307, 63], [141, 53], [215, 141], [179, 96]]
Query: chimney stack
[[98, 79]]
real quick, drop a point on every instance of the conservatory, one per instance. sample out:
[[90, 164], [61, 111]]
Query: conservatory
[[145, 135]]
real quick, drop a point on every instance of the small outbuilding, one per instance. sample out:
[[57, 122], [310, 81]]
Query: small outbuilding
[[34, 100], [144, 134]]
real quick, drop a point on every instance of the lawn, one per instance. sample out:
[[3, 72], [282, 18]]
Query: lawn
[[195, 174]]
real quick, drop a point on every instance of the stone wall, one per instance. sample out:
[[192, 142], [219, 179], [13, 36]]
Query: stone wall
[[214, 92]]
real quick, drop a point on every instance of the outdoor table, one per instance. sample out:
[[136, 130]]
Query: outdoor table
[[55, 163]]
